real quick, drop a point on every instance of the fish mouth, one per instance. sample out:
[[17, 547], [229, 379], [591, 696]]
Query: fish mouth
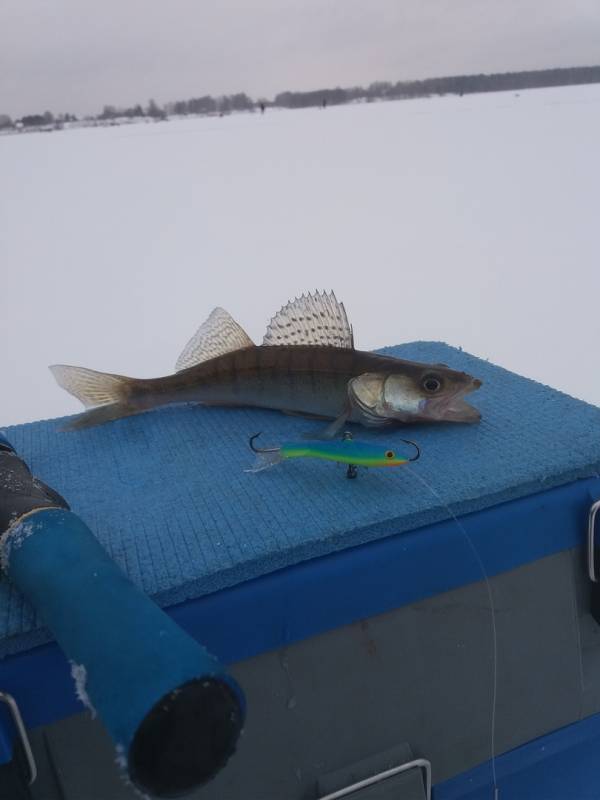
[[454, 408]]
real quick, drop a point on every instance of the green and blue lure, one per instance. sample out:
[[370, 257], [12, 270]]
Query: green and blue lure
[[345, 451]]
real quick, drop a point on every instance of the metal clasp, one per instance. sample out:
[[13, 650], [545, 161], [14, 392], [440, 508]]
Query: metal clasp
[[18, 722], [591, 560], [420, 763]]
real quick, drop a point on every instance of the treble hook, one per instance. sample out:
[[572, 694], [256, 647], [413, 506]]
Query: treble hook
[[261, 449], [415, 445]]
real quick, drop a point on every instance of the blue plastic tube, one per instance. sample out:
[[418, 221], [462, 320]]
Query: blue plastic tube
[[173, 712]]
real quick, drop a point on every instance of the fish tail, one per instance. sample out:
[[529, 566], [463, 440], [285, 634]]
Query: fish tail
[[107, 396]]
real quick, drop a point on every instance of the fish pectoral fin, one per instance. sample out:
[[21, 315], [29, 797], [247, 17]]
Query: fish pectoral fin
[[331, 431], [218, 335], [313, 319]]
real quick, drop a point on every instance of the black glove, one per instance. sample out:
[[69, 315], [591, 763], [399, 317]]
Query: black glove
[[20, 492]]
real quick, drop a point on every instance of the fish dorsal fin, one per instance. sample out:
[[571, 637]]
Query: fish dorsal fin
[[317, 319], [220, 334]]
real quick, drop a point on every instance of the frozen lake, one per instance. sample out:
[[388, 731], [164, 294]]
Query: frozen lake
[[470, 220]]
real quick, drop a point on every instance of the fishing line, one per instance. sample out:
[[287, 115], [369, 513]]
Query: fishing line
[[493, 615]]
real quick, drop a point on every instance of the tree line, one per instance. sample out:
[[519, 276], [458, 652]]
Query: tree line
[[195, 105], [47, 119], [380, 90], [456, 84]]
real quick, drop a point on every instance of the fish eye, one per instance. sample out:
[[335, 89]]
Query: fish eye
[[431, 384], [389, 454]]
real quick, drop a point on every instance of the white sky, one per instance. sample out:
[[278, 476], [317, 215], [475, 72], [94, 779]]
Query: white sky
[[76, 55]]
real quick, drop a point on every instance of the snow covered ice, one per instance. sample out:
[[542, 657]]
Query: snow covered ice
[[471, 220]]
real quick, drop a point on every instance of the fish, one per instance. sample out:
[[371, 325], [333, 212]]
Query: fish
[[307, 365], [345, 451]]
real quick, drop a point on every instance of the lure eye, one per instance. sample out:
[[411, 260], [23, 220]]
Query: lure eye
[[389, 454], [431, 384]]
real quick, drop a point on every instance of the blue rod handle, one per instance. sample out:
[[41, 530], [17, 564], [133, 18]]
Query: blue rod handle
[[173, 712]]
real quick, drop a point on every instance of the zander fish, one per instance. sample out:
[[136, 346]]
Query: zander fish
[[306, 365]]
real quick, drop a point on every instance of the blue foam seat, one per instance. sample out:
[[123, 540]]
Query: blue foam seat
[[167, 495]]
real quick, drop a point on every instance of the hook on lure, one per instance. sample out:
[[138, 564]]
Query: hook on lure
[[344, 451], [417, 455], [261, 449]]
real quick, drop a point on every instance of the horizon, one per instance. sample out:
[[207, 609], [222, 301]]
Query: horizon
[[74, 60], [256, 98]]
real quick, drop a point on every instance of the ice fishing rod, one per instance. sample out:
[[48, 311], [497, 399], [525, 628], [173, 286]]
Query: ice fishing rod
[[172, 711]]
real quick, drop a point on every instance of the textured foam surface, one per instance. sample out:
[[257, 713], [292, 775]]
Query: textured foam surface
[[166, 492]]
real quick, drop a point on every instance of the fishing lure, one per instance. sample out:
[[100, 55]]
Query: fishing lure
[[344, 451]]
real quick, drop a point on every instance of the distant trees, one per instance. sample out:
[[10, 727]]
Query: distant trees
[[456, 84], [379, 90], [154, 111], [108, 112], [47, 120], [210, 105], [239, 102], [466, 84], [195, 105], [112, 112], [200, 105], [37, 120], [317, 97]]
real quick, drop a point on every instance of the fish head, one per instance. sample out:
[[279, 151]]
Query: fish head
[[416, 393]]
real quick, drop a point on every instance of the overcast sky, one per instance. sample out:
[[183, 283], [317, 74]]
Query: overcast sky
[[76, 55]]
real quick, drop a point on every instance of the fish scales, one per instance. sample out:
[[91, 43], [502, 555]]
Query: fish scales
[[312, 379]]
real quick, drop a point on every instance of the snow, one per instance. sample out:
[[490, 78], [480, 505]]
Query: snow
[[79, 675], [12, 539], [122, 764], [121, 758], [472, 220]]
